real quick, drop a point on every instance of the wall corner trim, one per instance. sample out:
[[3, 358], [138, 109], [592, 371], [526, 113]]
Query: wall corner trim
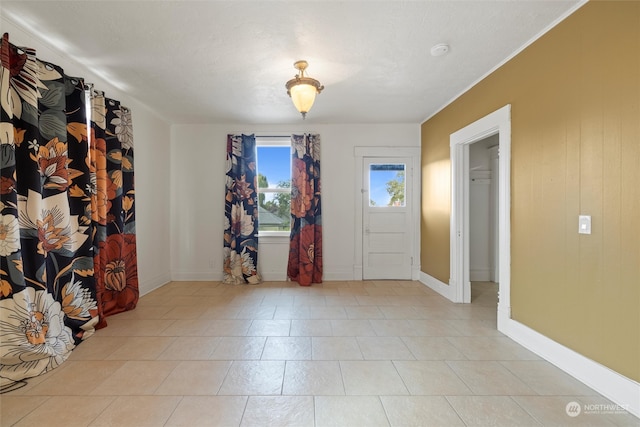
[[621, 390]]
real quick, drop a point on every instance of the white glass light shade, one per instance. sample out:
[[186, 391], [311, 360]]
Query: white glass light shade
[[303, 96]]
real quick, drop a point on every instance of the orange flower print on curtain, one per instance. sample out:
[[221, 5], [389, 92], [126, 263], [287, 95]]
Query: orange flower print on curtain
[[113, 201], [305, 248]]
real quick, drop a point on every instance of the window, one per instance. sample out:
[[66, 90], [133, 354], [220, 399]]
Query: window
[[274, 184], [387, 185]]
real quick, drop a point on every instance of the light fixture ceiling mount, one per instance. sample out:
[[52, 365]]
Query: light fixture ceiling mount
[[303, 89]]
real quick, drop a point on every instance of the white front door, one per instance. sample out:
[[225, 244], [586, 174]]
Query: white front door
[[387, 237]]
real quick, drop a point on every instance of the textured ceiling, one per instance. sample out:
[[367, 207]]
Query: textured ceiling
[[228, 61]]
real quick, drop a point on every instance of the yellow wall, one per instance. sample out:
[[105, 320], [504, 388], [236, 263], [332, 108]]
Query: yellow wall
[[575, 118]]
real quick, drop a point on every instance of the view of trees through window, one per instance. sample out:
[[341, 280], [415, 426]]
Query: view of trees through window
[[386, 185], [274, 187]]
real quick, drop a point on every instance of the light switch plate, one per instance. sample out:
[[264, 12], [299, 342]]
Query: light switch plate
[[584, 224]]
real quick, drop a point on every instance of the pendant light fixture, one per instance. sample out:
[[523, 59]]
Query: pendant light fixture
[[303, 89]]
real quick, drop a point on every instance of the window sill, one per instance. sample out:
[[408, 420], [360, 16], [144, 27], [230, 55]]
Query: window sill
[[273, 236]]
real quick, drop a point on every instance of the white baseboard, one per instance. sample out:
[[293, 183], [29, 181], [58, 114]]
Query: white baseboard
[[442, 288], [196, 276], [616, 387], [148, 285]]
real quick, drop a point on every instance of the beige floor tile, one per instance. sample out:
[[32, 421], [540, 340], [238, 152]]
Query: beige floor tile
[[269, 328], [432, 348], [188, 328], [287, 348], [341, 300], [135, 378], [491, 348], [489, 378], [435, 311], [352, 292], [195, 378], [13, 408], [468, 311], [313, 378], [239, 348], [210, 411], [65, 411], [220, 312], [297, 312], [278, 300], [139, 328], [253, 378], [384, 348], [141, 348], [475, 328], [356, 333], [350, 411], [546, 379], [398, 313], [309, 300], [433, 328], [97, 347], [310, 328], [371, 378], [420, 411], [364, 312], [190, 348], [261, 312], [393, 328], [281, 411], [491, 411], [352, 328], [138, 411], [186, 312], [77, 378], [335, 348], [147, 312], [327, 312], [430, 378]]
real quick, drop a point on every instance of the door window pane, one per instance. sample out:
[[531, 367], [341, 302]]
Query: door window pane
[[387, 184]]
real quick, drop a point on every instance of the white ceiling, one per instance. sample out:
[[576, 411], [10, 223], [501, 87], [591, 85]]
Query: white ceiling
[[228, 61]]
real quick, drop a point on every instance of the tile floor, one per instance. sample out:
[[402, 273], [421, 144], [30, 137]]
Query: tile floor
[[377, 353]]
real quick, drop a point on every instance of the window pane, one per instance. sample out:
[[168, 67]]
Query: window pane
[[274, 211], [274, 171], [274, 166], [386, 184]]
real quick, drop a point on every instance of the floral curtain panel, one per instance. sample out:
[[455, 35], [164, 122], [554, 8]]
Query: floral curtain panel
[[305, 247], [241, 212], [67, 223]]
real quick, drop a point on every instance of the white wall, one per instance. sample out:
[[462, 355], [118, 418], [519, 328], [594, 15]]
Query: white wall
[[197, 193], [482, 243], [151, 135]]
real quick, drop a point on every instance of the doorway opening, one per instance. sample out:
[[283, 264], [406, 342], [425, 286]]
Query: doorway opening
[[497, 125]]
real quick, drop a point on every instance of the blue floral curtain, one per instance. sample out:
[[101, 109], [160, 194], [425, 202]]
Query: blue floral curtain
[[52, 191], [241, 212], [305, 246]]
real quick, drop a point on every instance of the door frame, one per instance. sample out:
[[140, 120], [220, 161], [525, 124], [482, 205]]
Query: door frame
[[360, 153], [498, 122]]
